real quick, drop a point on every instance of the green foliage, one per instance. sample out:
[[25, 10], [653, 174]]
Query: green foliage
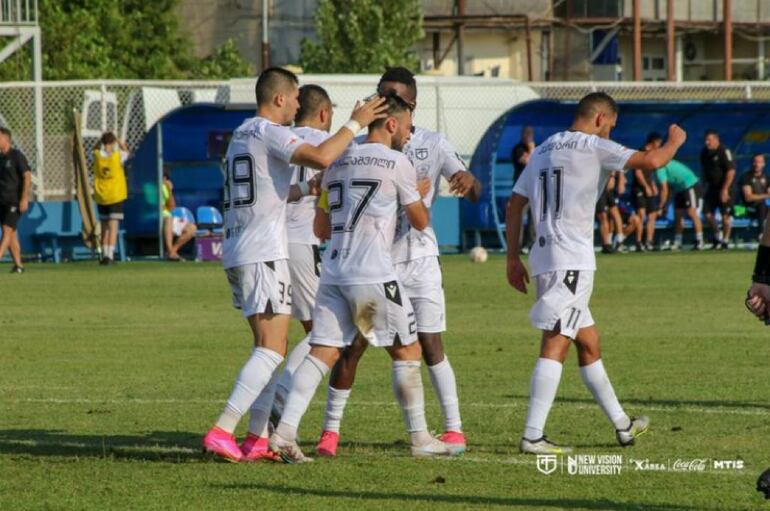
[[363, 36], [129, 39]]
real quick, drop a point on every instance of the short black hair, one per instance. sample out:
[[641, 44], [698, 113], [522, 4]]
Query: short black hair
[[592, 102], [711, 131], [399, 75], [311, 99], [271, 81], [396, 105], [757, 154], [652, 137], [108, 138], [5, 131]]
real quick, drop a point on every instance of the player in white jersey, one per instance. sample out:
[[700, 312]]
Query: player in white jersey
[[360, 293], [312, 124], [415, 255], [561, 183], [255, 249]]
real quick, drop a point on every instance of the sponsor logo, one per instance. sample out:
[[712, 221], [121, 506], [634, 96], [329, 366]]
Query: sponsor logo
[[647, 465], [595, 465], [547, 463], [695, 465], [729, 465]]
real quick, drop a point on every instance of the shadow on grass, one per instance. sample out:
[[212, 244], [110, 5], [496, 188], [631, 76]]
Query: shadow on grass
[[437, 498], [163, 446], [641, 403]]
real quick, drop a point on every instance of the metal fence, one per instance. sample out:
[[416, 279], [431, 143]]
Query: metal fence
[[461, 108]]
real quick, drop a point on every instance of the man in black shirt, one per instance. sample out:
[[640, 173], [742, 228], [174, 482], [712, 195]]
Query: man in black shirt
[[15, 185], [520, 156], [756, 189], [718, 171]]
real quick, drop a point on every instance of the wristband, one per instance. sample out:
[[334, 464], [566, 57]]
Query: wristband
[[304, 188], [762, 266], [353, 126]]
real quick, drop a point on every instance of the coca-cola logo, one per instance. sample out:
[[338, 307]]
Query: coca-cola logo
[[696, 465]]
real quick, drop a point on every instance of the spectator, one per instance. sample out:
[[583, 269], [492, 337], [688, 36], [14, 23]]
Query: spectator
[[110, 190], [520, 156], [678, 180], [15, 185], [608, 214], [755, 189], [173, 226], [718, 170], [645, 194]]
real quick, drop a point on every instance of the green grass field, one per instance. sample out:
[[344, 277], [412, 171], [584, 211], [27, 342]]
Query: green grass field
[[110, 376]]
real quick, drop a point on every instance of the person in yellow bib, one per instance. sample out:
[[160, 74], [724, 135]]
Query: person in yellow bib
[[110, 190]]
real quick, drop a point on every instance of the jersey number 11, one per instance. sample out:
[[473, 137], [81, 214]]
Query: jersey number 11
[[552, 194]]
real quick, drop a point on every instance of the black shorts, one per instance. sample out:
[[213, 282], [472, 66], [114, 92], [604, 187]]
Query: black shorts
[[712, 201], [9, 216], [687, 199], [606, 201], [110, 212], [641, 201]]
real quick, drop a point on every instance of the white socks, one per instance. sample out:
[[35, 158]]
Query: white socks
[[678, 239], [443, 378], [407, 386], [335, 407], [108, 251], [542, 392], [293, 361], [253, 378], [260, 410], [595, 378], [306, 379]]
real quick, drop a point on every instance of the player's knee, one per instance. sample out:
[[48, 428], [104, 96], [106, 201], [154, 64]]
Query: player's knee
[[432, 348]]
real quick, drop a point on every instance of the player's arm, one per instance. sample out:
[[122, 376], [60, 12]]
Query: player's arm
[[303, 189], [621, 182], [418, 215], [461, 182], [653, 159], [516, 271], [758, 295], [26, 184], [642, 180], [321, 156], [664, 191], [729, 175], [322, 226], [750, 196]]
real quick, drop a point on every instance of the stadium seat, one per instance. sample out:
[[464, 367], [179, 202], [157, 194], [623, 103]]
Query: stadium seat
[[209, 220]]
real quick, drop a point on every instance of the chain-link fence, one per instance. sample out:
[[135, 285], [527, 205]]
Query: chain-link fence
[[461, 108]]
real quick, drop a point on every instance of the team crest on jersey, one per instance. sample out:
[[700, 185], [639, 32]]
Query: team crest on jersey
[[421, 153]]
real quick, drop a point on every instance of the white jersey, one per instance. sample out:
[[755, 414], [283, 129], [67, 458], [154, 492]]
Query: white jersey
[[300, 214], [432, 156], [563, 180], [365, 187], [257, 179]]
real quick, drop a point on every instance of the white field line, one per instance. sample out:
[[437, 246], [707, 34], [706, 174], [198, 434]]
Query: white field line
[[722, 410]]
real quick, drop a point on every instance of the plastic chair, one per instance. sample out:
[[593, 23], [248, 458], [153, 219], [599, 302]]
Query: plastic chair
[[209, 220], [183, 213]]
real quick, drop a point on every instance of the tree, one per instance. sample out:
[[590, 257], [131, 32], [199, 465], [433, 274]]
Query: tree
[[363, 36], [129, 39]]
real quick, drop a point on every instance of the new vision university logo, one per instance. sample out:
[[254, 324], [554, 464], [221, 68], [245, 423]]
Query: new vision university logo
[[547, 463]]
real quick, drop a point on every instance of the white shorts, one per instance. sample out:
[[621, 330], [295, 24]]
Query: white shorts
[[562, 301], [305, 269], [380, 312], [178, 225], [261, 288], [422, 282]]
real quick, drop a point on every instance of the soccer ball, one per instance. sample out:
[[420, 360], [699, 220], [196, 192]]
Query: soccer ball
[[478, 255]]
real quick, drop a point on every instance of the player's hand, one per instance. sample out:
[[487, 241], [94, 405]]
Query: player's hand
[[648, 192], [423, 187], [676, 135], [23, 205], [518, 277], [461, 183], [315, 184], [365, 114], [757, 299], [724, 196]]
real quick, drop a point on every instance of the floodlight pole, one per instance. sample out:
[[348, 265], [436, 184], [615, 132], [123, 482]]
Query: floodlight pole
[[265, 35]]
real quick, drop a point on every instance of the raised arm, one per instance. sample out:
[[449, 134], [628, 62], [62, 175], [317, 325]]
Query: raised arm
[[320, 157], [648, 161]]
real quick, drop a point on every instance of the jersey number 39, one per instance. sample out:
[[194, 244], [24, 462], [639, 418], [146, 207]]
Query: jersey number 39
[[240, 184]]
